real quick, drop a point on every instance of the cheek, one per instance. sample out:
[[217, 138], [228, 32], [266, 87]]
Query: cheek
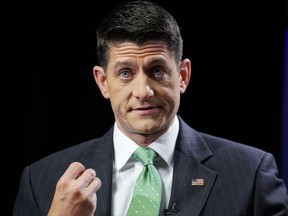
[[171, 95], [175, 100], [174, 94], [118, 98], [116, 106]]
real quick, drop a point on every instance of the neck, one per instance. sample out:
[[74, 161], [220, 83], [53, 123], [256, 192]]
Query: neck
[[145, 139]]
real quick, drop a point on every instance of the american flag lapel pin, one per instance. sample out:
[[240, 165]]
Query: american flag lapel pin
[[197, 182]]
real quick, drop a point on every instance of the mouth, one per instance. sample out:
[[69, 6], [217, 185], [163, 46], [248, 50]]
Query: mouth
[[146, 110]]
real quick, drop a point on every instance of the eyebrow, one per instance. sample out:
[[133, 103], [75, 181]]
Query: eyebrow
[[121, 64], [153, 60], [157, 61]]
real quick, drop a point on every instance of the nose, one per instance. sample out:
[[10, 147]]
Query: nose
[[142, 88]]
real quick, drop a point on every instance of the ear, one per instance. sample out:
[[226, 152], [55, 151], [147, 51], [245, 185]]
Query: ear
[[184, 73], [100, 78]]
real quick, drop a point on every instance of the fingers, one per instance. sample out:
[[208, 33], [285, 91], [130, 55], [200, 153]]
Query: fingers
[[95, 184], [74, 170], [75, 192], [82, 177], [89, 180]]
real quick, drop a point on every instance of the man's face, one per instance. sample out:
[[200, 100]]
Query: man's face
[[143, 84]]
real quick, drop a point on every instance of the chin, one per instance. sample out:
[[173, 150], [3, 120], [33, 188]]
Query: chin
[[149, 126]]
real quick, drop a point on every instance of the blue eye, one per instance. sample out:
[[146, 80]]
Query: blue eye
[[125, 74], [158, 72]]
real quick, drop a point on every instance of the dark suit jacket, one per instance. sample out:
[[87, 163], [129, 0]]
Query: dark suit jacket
[[238, 179]]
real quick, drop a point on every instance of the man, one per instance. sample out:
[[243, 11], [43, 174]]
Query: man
[[142, 72]]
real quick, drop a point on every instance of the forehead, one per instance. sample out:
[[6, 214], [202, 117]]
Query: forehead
[[128, 50]]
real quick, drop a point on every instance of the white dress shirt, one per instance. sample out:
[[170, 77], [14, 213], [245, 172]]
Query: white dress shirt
[[126, 168]]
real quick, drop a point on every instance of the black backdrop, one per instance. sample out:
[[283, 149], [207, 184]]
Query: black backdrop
[[236, 49]]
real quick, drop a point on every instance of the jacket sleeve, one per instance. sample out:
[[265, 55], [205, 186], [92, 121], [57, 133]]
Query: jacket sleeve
[[271, 196], [25, 204]]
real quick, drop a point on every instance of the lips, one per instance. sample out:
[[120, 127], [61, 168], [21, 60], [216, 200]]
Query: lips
[[145, 107], [146, 110]]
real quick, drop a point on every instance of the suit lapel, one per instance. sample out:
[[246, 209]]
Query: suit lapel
[[100, 157], [190, 152], [188, 196]]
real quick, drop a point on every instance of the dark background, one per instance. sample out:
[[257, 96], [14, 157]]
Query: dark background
[[236, 49]]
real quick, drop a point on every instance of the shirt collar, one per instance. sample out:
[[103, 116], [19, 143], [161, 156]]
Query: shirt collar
[[164, 145]]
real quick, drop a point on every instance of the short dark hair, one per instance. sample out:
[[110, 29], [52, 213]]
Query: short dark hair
[[138, 21]]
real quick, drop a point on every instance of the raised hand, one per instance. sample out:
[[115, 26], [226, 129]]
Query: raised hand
[[75, 192]]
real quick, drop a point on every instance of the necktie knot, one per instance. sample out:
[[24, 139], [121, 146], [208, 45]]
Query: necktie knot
[[145, 155]]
